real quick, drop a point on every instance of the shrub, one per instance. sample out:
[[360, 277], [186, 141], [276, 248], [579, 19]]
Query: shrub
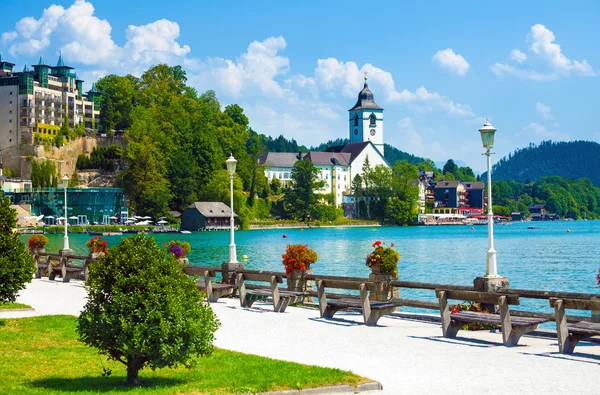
[[37, 241], [142, 310], [16, 264], [298, 256]]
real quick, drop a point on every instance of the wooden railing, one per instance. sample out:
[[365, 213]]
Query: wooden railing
[[63, 264]]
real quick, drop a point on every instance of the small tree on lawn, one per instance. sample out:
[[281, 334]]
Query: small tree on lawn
[[142, 310], [16, 264]]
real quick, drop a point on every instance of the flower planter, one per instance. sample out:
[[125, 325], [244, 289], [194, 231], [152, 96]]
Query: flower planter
[[383, 291], [36, 250], [376, 268], [296, 281]]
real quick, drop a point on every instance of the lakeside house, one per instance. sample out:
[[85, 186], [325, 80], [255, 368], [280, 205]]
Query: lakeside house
[[206, 216]]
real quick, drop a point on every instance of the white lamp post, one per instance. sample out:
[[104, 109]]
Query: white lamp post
[[231, 163], [65, 180], [487, 138]]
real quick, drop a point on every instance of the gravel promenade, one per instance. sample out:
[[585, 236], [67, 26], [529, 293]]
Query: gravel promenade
[[405, 356]]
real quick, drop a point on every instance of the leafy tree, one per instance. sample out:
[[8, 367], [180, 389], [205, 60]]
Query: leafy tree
[[450, 167], [302, 199], [16, 264], [275, 186], [143, 310], [400, 212], [236, 113], [117, 101]]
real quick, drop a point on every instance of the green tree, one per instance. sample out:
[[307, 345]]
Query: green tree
[[236, 113], [143, 310], [108, 115], [301, 200], [117, 101], [16, 264], [450, 167]]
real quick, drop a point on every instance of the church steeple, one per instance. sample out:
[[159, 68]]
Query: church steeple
[[366, 119]]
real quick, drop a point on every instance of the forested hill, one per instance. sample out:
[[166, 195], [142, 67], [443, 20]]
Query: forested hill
[[573, 159], [392, 154]]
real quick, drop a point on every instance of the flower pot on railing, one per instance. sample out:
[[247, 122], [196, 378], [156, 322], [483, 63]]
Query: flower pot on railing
[[36, 250], [297, 282], [383, 262]]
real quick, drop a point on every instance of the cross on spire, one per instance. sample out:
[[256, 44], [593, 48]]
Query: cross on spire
[[366, 72]]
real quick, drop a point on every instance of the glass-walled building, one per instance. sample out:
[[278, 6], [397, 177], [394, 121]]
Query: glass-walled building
[[89, 205]]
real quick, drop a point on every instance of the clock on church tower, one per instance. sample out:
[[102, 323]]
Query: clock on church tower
[[366, 119]]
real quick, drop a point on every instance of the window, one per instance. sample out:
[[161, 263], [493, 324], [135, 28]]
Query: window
[[10, 131], [356, 121], [10, 121], [344, 176], [326, 176], [9, 140], [10, 111], [372, 119], [10, 93], [10, 102]]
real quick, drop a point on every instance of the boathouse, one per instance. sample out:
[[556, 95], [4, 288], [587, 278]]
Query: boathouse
[[206, 216]]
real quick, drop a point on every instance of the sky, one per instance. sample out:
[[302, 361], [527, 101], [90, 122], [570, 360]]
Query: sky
[[439, 69]]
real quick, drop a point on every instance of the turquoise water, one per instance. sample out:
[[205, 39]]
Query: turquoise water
[[547, 258]]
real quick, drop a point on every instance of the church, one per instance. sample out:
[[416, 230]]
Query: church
[[339, 164]]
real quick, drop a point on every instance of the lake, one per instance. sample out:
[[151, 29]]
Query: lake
[[546, 258]]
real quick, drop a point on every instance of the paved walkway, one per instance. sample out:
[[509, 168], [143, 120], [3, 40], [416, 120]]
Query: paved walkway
[[405, 356]]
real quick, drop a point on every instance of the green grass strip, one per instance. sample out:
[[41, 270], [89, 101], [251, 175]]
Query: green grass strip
[[41, 355], [12, 305]]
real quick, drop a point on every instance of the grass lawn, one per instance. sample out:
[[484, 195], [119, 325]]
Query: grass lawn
[[41, 355], [12, 305]]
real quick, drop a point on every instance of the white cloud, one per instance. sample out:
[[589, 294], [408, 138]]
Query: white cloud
[[547, 61], [84, 36], [334, 75], [536, 130], [34, 33], [409, 140], [253, 74], [518, 56], [151, 41], [86, 39], [544, 110], [451, 61]]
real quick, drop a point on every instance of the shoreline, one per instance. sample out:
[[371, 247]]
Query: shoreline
[[304, 226]]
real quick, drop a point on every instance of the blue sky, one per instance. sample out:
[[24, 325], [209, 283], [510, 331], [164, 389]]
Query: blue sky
[[438, 68]]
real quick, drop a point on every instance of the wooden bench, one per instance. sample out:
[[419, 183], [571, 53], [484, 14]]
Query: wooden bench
[[512, 327], [214, 291], [281, 298], [570, 335], [372, 311]]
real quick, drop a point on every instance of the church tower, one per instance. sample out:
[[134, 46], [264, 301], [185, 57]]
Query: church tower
[[366, 119]]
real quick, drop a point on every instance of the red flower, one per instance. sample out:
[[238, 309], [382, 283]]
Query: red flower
[[392, 244], [376, 244], [454, 311]]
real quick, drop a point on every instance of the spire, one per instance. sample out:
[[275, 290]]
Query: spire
[[41, 61], [93, 88], [1, 57], [25, 68], [60, 62], [366, 85]]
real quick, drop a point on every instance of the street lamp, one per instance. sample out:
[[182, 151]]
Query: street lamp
[[231, 163], [65, 180], [487, 138]]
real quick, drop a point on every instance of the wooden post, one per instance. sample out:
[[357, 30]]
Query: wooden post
[[364, 301], [444, 313], [322, 297], [561, 325], [241, 289], [507, 329], [275, 292], [208, 285]]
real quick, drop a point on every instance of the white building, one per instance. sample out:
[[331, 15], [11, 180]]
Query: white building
[[35, 102], [339, 164]]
